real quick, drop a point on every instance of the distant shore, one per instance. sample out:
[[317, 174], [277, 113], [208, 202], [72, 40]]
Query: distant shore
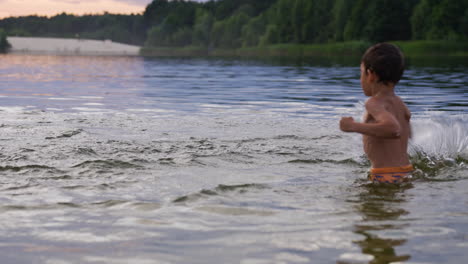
[[63, 46]]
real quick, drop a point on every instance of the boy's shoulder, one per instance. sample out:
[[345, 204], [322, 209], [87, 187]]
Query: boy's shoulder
[[385, 103], [374, 102], [393, 104], [390, 99]]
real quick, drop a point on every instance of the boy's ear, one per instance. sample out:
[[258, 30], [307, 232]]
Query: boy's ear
[[373, 77]]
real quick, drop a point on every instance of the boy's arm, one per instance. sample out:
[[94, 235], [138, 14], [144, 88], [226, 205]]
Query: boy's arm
[[385, 125]]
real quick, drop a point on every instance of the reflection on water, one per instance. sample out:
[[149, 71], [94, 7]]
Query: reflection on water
[[317, 87], [381, 208]]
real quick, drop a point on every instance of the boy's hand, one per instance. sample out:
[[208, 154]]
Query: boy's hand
[[346, 124]]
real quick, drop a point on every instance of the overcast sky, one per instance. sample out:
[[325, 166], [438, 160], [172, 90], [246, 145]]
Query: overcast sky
[[79, 7]]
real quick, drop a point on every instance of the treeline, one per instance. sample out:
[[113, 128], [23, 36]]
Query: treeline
[[120, 28], [211, 24], [244, 23], [252, 23]]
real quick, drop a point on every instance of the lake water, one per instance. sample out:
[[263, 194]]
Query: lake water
[[137, 160]]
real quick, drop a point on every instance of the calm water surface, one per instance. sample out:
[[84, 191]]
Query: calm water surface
[[134, 160]]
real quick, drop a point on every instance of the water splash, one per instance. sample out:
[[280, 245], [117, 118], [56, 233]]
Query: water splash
[[439, 142]]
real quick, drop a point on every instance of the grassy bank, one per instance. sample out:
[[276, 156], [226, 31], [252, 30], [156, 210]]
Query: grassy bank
[[354, 48], [310, 50], [279, 50], [433, 48], [174, 52]]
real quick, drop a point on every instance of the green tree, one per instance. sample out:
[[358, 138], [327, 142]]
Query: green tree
[[464, 25], [227, 33], [282, 19], [159, 36], [341, 12], [357, 21], [298, 19], [436, 20], [253, 30], [182, 37], [446, 19], [203, 25], [322, 20], [380, 20], [4, 45], [421, 19], [389, 20], [225, 8], [271, 36], [155, 12]]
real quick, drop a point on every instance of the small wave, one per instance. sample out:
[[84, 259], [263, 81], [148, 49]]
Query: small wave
[[194, 196], [26, 150], [166, 161], [86, 151], [29, 208], [235, 211], [241, 188], [316, 161], [26, 167], [294, 137], [109, 203], [107, 164], [67, 134], [22, 187], [58, 178]]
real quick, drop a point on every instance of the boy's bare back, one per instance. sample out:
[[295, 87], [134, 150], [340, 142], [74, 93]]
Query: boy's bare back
[[388, 152], [386, 125]]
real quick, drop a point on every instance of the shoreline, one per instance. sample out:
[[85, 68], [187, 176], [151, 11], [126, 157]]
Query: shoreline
[[65, 46], [417, 50], [411, 49]]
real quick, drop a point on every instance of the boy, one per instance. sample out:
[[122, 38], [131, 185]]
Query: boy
[[386, 127]]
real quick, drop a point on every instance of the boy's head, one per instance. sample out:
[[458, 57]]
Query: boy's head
[[386, 61]]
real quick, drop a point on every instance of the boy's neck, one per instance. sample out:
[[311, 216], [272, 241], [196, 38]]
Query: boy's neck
[[381, 89]]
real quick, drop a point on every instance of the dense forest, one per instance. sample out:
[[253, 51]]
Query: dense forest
[[252, 23]]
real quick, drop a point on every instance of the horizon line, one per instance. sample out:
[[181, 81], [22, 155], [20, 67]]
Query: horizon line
[[71, 14]]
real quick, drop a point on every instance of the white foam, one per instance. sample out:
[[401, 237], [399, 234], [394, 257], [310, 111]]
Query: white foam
[[89, 109], [356, 258], [81, 236], [12, 109], [91, 97], [135, 260], [215, 106], [153, 110], [61, 99], [93, 104]]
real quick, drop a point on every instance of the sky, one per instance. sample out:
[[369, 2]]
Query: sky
[[79, 7]]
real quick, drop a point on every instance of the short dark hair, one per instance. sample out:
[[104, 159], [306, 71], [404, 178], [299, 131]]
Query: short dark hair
[[386, 60]]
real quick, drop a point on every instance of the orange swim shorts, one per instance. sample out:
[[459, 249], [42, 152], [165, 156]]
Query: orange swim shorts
[[391, 175]]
